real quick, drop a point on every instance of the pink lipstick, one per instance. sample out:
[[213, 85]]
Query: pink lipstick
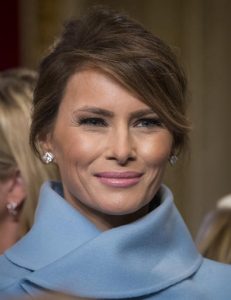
[[119, 179]]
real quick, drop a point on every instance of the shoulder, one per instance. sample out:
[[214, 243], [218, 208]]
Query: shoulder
[[212, 270], [210, 282], [214, 279], [10, 273]]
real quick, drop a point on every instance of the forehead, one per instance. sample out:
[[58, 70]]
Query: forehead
[[96, 88]]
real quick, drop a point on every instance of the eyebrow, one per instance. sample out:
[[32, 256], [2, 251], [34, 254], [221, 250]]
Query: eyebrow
[[96, 110], [108, 113], [142, 113]]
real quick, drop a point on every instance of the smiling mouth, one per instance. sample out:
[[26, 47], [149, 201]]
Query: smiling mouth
[[119, 179]]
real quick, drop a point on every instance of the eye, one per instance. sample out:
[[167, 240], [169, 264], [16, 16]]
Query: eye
[[92, 121], [149, 122]]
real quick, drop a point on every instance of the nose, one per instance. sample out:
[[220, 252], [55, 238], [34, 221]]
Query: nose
[[121, 146]]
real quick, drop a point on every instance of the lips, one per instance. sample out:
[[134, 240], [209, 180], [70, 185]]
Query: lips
[[119, 179]]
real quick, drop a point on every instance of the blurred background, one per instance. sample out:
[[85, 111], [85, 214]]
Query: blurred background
[[199, 31]]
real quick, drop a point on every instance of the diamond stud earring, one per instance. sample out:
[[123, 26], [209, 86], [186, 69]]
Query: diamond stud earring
[[173, 160], [12, 208], [48, 157]]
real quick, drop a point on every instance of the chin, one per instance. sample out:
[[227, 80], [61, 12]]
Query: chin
[[120, 211]]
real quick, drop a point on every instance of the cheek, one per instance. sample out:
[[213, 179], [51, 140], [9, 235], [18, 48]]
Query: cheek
[[157, 151], [75, 147]]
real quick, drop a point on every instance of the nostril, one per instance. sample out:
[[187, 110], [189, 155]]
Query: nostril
[[122, 160], [125, 161]]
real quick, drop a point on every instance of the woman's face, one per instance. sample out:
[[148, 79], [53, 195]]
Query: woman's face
[[111, 148]]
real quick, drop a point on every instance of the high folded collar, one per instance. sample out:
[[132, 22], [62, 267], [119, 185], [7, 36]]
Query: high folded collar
[[133, 260]]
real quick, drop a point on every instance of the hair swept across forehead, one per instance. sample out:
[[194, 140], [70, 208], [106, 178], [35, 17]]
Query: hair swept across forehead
[[124, 49]]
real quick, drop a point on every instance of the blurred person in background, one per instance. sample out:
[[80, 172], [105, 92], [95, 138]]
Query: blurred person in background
[[21, 172], [110, 111], [214, 236]]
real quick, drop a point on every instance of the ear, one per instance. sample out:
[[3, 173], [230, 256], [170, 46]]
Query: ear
[[45, 141], [15, 189]]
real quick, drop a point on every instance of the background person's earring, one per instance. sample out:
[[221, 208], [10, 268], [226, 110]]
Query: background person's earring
[[173, 159], [48, 157], [12, 208]]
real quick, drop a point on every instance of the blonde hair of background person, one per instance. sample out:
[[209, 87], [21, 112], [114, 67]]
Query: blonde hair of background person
[[214, 237], [21, 173]]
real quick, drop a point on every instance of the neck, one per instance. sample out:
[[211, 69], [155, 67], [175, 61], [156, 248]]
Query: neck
[[105, 221], [9, 233]]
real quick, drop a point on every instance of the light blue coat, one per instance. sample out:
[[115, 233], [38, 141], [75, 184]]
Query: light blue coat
[[152, 258]]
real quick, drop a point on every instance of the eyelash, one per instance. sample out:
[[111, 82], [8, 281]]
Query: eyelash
[[92, 121], [100, 122], [149, 122]]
